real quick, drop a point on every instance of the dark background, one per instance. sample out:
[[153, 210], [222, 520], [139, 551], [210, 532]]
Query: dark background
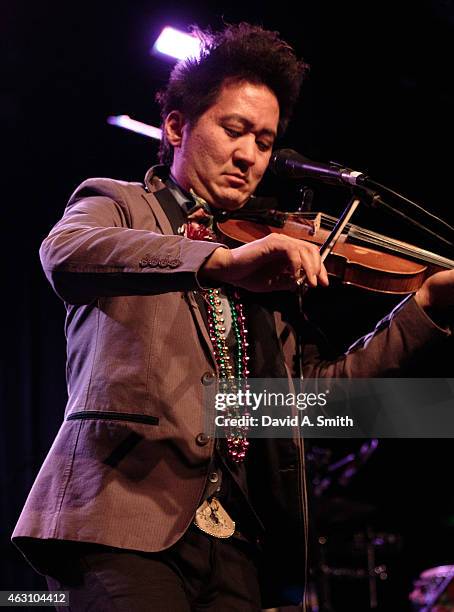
[[379, 99]]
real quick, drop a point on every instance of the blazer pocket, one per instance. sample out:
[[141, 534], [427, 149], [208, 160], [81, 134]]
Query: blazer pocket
[[107, 415]]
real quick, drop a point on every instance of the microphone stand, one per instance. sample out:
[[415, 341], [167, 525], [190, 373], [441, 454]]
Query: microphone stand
[[373, 199], [368, 185]]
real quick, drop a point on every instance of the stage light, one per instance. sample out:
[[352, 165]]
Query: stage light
[[177, 44], [125, 121]]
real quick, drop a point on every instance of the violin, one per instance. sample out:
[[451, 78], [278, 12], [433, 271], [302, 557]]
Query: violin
[[360, 257]]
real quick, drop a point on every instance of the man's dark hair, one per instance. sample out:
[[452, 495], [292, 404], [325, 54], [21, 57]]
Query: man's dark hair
[[241, 52]]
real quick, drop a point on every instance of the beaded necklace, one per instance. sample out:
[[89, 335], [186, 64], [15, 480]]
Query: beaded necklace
[[232, 376]]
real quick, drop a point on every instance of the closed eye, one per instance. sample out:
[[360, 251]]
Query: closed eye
[[263, 146], [232, 133]]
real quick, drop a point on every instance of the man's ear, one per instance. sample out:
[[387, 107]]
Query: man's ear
[[173, 127]]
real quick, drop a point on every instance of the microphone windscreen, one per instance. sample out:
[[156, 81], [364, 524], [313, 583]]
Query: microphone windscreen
[[282, 161]]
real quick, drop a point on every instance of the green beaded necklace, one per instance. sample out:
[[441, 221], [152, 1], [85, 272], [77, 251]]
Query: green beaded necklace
[[232, 377]]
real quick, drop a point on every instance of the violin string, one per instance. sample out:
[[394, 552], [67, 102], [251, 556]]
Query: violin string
[[385, 242], [402, 248]]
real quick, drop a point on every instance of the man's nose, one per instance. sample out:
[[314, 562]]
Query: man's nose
[[245, 152]]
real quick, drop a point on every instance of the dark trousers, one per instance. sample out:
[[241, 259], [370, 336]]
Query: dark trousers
[[198, 573]]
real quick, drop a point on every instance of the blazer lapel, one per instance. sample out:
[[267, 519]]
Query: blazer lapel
[[171, 217]]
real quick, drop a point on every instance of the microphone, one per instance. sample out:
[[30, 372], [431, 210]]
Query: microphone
[[288, 163]]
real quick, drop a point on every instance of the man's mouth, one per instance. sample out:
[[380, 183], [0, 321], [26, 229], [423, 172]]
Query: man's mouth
[[236, 179]]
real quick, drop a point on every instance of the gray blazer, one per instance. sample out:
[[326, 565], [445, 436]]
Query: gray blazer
[[130, 461]]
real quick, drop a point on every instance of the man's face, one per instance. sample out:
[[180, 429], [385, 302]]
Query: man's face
[[223, 156]]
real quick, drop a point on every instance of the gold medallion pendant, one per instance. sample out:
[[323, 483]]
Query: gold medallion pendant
[[213, 519]]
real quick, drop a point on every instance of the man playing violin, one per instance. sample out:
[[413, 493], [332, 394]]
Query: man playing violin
[[137, 506]]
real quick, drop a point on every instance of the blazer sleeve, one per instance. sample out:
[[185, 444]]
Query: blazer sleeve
[[399, 344], [391, 349], [99, 247]]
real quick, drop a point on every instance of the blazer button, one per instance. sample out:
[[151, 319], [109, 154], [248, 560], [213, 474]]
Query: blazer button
[[202, 439], [208, 378], [213, 477]]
